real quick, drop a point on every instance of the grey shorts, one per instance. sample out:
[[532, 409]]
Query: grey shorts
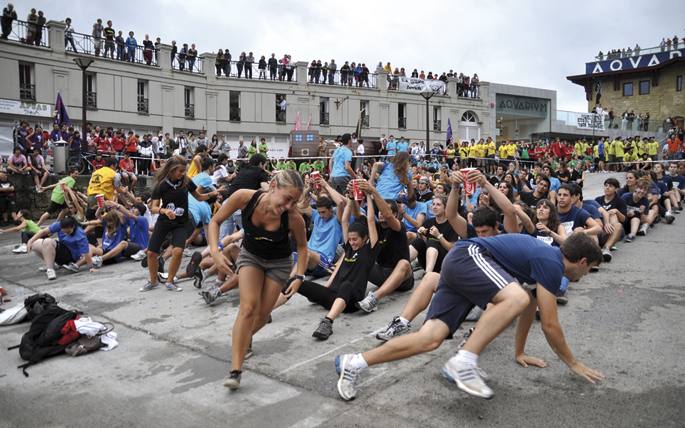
[[277, 269]]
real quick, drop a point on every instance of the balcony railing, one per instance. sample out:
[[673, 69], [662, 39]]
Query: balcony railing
[[30, 34], [348, 78], [437, 125], [91, 100], [88, 45], [603, 123], [181, 63], [634, 53], [190, 111], [143, 105], [324, 118], [402, 123], [365, 121], [27, 92], [234, 114], [235, 69]]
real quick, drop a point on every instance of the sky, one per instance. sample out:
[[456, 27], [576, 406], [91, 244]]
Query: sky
[[518, 42]]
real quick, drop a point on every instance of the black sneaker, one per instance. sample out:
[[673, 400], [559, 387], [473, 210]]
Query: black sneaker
[[562, 300], [232, 381], [198, 277], [324, 330], [194, 263], [160, 263]]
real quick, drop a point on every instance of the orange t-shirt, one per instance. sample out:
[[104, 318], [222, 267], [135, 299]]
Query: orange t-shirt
[[673, 144]]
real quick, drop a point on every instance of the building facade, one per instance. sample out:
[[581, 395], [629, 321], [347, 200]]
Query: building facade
[[161, 98]]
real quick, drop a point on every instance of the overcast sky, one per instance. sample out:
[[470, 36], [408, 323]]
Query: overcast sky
[[520, 42]]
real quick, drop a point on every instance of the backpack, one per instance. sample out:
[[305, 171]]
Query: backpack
[[40, 341], [37, 303]]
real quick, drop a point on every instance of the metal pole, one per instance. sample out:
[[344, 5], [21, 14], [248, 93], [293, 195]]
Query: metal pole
[[83, 103], [428, 145]]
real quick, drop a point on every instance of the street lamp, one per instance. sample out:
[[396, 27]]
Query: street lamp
[[427, 93], [83, 63]]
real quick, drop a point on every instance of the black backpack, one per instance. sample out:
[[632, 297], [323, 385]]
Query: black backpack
[[40, 341], [36, 303]]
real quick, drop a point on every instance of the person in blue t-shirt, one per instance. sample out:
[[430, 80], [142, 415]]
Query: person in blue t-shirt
[[637, 207], [391, 146], [326, 232], [114, 247], [340, 165], [394, 176], [414, 213], [71, 250], [402, 145], [575, 219], [484, 271]]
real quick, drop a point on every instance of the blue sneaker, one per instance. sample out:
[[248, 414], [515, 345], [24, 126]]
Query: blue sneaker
[[348, 377]]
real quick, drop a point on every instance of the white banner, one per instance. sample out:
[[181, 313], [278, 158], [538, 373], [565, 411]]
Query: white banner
[[23, 108], [590, 121], [412, 84]]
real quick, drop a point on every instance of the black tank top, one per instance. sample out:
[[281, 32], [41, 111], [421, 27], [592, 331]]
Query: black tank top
[[263, 243]]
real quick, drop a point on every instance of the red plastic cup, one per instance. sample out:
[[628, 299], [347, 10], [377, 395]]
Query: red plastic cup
[[100, 200], [469, 188], [315, 176], [358, 194]]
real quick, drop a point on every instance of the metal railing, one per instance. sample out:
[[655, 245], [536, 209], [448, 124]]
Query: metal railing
[[402, 122], [281, 73], [27, 92], [91, 100], [234, 114], [111, 49], [183, 63], [603, 123], [190, 111], [637, 52], [143, 105], [324, 118], [30, 34]]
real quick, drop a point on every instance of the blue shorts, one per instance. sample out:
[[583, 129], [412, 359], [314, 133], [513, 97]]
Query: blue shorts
[[469, 277], [322, 269]]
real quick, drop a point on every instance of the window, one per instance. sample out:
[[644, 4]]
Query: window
[[437, 122], [281, 108], [324, 116], [234, 106], [644, 87], [402, 116], [679, 83], [142, 97], [27, 90], [364, 112], [469, 116], [189, 102], [91, 91], [628, 89]]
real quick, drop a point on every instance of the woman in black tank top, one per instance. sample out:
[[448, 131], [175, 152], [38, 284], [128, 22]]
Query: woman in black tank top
[[265, 261]]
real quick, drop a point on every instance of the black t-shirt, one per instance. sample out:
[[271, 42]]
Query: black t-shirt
[[249, 177], [173, 197], [424, 197], [445, 228], [354, 271], [573, 219], [616, 203], [392, 246], [530, 199], [109, 34]]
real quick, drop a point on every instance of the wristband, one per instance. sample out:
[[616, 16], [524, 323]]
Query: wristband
[[300, 277]]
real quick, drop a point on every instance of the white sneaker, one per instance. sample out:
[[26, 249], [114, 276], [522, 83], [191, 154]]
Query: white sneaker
[[20, 249], [50, 274], [643, 230], [42, 269], [97, 262], [73, 267], [140, 255], [468, 377]]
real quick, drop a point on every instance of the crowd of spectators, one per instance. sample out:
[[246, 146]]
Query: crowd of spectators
[[666, 44]]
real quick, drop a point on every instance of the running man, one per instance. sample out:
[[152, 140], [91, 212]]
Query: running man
[[477, 272]]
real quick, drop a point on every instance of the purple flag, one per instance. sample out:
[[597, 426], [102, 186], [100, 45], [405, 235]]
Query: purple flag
[[61, 116], [449, 131]]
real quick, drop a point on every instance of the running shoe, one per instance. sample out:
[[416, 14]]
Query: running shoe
[[140, 255], [562, 300], [394, 329], [171, 286], [669, 217], [232, 381], [211, 294], [629, 238], [194, 263], [368, 304], [97, 262], [468, 377], [606, 255], [72, 267], [20, 249], [347, 388], [643, 230], [198, 277], [324, 330], [149, 286], [50, 273]]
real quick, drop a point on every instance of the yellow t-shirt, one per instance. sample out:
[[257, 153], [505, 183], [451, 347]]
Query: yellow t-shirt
[[611, 148], [192, 169], [472, 151], [511, 150], [652, 148], [491, 148], [464, 152], [102, 183], [578, 149], [618, 148]]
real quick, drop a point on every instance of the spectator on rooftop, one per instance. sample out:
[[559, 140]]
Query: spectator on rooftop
[[97, 36], [148, 48], [109, 34], [273, 66], [332, 68], [69, 34], [227, 62], [131, 45], [8, 15], [121, 46], [174, 52], [182, 57], [262, 67], [40, 24], [191, 57], [249, 60]]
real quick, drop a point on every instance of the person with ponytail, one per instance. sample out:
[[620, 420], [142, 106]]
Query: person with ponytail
[[270, 217]]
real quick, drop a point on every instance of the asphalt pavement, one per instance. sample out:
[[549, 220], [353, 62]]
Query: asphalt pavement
[[626, 321]]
